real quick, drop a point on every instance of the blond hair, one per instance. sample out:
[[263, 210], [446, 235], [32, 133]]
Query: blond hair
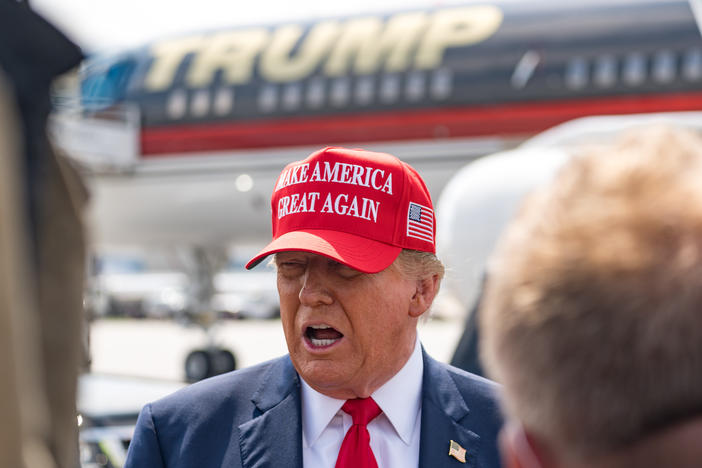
[[592, 317], [417, 264]]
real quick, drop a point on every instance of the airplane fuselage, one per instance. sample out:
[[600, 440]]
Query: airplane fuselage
[[438, 87]]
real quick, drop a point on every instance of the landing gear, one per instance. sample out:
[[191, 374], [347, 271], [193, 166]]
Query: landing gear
[[201, 265], [222, 361], [203, 363]]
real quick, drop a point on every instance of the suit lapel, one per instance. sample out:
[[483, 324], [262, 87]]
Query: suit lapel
[[273, 437], [443, 407]]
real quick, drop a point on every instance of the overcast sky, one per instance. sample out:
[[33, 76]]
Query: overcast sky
[[103, 24]]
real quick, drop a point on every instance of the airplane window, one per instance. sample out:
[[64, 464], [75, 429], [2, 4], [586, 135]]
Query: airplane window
[[340, 91], [390, 88], [176, 105], [364, 90], [692, 65], [441, 82], [634, 72], [415, 86], [605, 74], [268, 98], [200, 104], [292, 96], [315, 93], [576, 74], [525, 69], [224, 101], [664, 67]]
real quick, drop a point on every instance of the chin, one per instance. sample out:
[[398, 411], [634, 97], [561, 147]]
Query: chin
[[321, 374]]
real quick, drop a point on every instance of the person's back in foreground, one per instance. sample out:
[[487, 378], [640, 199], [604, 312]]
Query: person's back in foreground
[[592, 319]]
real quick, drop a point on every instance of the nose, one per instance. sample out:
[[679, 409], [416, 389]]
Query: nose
[[314, 291]]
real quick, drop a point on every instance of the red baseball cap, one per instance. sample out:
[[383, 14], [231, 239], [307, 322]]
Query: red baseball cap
[[360, 208]]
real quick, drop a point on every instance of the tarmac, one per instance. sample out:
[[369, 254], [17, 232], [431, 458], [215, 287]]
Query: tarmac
[[156, 349]]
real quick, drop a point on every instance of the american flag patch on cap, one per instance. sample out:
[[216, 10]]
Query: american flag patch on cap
[[420, 222]]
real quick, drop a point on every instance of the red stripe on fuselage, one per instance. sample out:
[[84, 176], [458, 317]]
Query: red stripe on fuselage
[[418, 124]]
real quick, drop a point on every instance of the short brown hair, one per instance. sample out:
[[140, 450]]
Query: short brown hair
[[592, 318]]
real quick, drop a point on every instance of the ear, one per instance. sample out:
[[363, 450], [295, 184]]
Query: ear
[[424, 294], [508, 453], [519, 449]]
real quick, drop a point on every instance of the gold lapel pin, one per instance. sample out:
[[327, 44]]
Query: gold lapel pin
[[457, 452]]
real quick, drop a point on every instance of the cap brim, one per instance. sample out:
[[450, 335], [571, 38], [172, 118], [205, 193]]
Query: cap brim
[[360, 253]]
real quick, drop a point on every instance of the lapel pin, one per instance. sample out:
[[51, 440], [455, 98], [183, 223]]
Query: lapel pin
[[457, 452]]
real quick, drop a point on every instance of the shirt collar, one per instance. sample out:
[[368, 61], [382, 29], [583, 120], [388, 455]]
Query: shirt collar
[[402, 392], [317, 411], [400, 398]]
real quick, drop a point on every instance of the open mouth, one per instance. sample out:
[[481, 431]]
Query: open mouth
[[322, 336]]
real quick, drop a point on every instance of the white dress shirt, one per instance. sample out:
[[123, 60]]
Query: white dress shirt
[[394, 434]]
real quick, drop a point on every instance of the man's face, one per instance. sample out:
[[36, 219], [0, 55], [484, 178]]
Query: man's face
[[347, 332]]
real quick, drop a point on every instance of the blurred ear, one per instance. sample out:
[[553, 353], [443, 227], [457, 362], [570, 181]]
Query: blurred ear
[[518, 449], [424, 295], [508, 453]]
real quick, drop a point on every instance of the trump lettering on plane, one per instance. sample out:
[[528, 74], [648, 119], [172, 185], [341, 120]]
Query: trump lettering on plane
[[291, 52]]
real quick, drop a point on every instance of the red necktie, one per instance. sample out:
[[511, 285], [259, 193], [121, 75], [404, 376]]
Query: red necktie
[[355, 450]]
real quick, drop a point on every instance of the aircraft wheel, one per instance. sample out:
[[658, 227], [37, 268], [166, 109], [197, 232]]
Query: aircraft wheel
[[198, 365], [222, 361]]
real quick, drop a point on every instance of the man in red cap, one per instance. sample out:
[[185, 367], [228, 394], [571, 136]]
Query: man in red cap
[[353, 245]]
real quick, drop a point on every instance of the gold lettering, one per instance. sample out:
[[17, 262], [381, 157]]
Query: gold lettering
[[366, 42], [233, 52], [280, 64], [363, 45], [456, 27], [168, 55]]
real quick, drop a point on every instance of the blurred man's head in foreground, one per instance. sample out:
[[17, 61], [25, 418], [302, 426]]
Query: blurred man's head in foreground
[[592, 318]]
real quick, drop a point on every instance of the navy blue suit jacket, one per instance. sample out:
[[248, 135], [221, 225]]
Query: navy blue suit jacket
[[251, 418]]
